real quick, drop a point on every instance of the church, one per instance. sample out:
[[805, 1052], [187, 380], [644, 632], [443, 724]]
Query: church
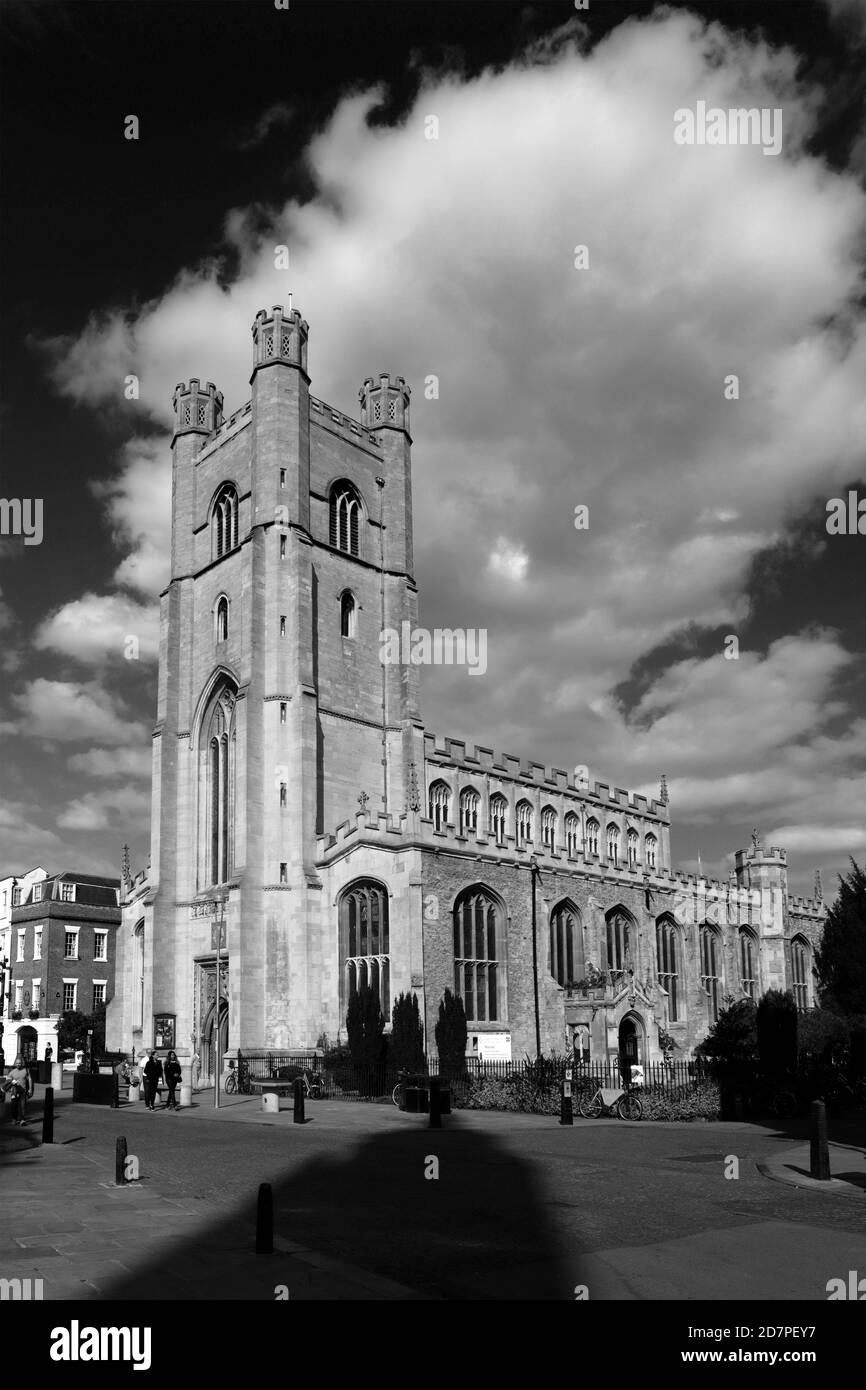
[[309, 834]]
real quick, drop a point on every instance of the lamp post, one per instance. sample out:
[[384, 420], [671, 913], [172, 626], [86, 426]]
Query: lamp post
[[535, 874]]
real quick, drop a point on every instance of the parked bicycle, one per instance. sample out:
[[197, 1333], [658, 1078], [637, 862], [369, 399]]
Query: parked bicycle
[[777, 1102], [612, 1100], [234, 1083]]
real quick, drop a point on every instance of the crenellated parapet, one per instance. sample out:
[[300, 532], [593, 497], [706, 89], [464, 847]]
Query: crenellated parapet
[[509, 767], [280, 337], [197, 409], [385, 405], [344, 425]]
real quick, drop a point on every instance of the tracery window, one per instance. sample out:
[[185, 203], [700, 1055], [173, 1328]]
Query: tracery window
[[548, 829], [498, 811], [477, 928], [748, 963], [613, 844], [631, 847], [711, 981], [800, 967], [566, 962], [618, 944], [363, 913], [468, 812], [523, 820], [572, 834], [650, 846], [668, 964], [224, 521], [217, 781], [440, 800], [345, 513], [592, 830]]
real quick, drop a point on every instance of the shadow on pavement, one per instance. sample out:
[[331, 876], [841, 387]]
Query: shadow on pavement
[[478, 1230]]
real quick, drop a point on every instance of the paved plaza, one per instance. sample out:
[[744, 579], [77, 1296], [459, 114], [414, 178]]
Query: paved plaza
[[521, 1207]]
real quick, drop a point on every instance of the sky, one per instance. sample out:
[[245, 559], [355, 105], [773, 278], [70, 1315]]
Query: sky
[[705, 624]]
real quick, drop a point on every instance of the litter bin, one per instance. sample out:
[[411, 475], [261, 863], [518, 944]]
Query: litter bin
[[416, 1100], [44, 1077]]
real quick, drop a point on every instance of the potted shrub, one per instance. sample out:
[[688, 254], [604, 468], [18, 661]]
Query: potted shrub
[[34, 1013], [16, 1015]]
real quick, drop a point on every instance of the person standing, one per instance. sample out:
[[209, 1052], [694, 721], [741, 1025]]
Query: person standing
[[173, 1075], [49, 1055], [17, 1083], [151, 1074]]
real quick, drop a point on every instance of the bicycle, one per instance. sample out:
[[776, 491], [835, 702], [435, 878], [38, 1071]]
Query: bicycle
[[768, 1100], [233, 1082], [610, 1100]]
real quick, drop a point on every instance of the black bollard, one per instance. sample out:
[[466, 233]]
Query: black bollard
[[48, 1116], [120, 1162], [115, 1094], [265, 1220], [435, 1102], [566, 1109], [819, 1154], [298, 1116]]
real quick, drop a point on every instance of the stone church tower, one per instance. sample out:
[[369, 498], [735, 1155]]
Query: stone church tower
[[309, 834]]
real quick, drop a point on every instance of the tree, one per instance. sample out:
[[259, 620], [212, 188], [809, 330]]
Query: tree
[[451, 1036], [365, 1026], [407, 1034], [72, 1030], [777, 1031], [841, 957], [733, 1037], [822, 1035]]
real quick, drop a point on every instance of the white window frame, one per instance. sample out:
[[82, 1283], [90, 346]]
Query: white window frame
[[36, 895], [37, 940], [67, 892], [22, 933], [100, 936], [76, 931], [74, 1005], [35, 990], [18, 1001], [103, 984]]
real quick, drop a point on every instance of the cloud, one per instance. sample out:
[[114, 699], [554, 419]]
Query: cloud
[[101, 628], [509, 561], [64, 712], [274, 118], [557, 386], [104, 809], [114, 762]]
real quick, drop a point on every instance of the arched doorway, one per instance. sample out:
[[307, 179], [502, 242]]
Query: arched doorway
[[26, 1045], [208, 1042], [631, 1047]]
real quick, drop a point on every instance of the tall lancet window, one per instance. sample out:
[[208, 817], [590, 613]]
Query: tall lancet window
[[224, 521], [217, 747], [345, 513]]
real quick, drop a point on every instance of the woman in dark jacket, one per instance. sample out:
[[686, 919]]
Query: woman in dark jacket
[[172, 1073], [151, 1075]]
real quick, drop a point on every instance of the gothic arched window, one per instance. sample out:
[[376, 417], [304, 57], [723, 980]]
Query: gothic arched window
[[572, 835], [566, 962], [592, 829], [222, 619], [748, 963], [613, 844], [548, 829], [523, 819], [217, 746], [668, 958], [800, 967], [364, 934], [631, 847], [468, 812], [440, 800], [348, 613], [345, 513], [224, 520], [498, 811], [477, 939], [650, 849], [618, 944], [711, 978]]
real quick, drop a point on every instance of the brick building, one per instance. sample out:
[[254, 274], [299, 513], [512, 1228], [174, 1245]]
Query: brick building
[[310, 833], [61, 957]]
